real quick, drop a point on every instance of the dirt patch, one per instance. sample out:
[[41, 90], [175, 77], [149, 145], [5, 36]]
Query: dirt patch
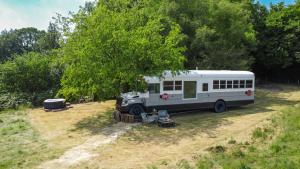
[[85, 142], [148, 145], [130, 153], [84, 152], [65, 129]]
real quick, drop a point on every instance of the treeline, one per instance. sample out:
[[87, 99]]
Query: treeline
[[107, 46]]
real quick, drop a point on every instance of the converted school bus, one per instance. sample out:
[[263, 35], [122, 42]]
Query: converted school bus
[[191, 90]]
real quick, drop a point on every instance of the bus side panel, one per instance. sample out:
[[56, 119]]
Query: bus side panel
[[230, 96], [203, 100]]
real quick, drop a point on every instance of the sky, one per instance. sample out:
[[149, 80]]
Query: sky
[[16, 14], [267, 2]]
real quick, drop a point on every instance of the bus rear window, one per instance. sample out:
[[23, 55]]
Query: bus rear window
[[249, 83]]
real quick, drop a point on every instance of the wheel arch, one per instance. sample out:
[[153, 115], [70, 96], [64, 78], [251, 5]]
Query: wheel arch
[[220, 100], [140, 104]]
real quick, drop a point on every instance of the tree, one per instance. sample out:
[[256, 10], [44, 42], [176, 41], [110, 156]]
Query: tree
[[30, 73], [278, 40], [120, 41], [219, 32], [51, 39], [19, 41]]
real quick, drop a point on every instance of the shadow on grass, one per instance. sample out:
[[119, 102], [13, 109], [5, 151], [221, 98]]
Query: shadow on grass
[[96, 124], [192, 123]]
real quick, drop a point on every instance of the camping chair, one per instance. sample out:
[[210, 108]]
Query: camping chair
[[149, 119], [164, 119]]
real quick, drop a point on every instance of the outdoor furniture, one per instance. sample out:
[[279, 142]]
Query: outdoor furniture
[[149, 119], [164, 119]]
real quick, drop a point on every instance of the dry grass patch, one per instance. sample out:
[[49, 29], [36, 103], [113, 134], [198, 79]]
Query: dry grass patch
[[71, 127], [154, 147]]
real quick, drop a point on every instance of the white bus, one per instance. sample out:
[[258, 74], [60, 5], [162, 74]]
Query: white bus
[[191, 90]]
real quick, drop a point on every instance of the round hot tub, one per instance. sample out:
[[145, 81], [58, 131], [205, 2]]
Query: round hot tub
[[55, 104]]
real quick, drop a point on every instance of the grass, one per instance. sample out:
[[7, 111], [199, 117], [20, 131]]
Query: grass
[[264, 151], [20, 145], [29, 137]]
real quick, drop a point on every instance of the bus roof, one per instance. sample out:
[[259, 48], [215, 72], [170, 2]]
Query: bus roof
[[202, 74]]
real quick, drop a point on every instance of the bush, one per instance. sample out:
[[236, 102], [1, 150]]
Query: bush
[[29, 79], [13, 100], [29, 73]]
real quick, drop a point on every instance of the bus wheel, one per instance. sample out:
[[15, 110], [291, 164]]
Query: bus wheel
[[220, 106], [136, 110]]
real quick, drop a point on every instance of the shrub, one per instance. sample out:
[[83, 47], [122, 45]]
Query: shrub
[[257, 133], [217, 149], [238, 153], [184, 164], [231, 141], [29, 79], [13, 100]]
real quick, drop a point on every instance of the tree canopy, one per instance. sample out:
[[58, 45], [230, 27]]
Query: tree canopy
[[107, 46], [116, 44]]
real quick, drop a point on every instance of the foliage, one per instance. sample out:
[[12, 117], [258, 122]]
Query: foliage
[[107, 46], [115, 45], [218, 32], [13, 100], [278, 39], [20, 144], [19, 41], [29, 73], [29, 77]]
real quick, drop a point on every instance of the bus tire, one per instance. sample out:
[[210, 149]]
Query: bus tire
[[136, 110], [220, 106]]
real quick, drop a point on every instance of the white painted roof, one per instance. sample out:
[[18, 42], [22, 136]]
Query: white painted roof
[[202, 74]]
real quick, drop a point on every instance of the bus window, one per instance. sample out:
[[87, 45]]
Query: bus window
[[168, 85], [205, 87], [235, 84], [249, 83], [242, 83], [223, 84], [178, 85], [154, 88], [229, 84], [216, 84]]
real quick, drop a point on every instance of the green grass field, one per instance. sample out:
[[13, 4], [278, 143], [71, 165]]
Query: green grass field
[[275, 145], [20, 145]]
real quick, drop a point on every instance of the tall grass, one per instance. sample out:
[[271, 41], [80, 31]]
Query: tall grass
[[265, 151]]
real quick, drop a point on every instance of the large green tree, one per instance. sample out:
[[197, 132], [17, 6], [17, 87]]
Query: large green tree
[[15, 42], [278, 40], [116, 44], [219, 32], [19, 41]]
